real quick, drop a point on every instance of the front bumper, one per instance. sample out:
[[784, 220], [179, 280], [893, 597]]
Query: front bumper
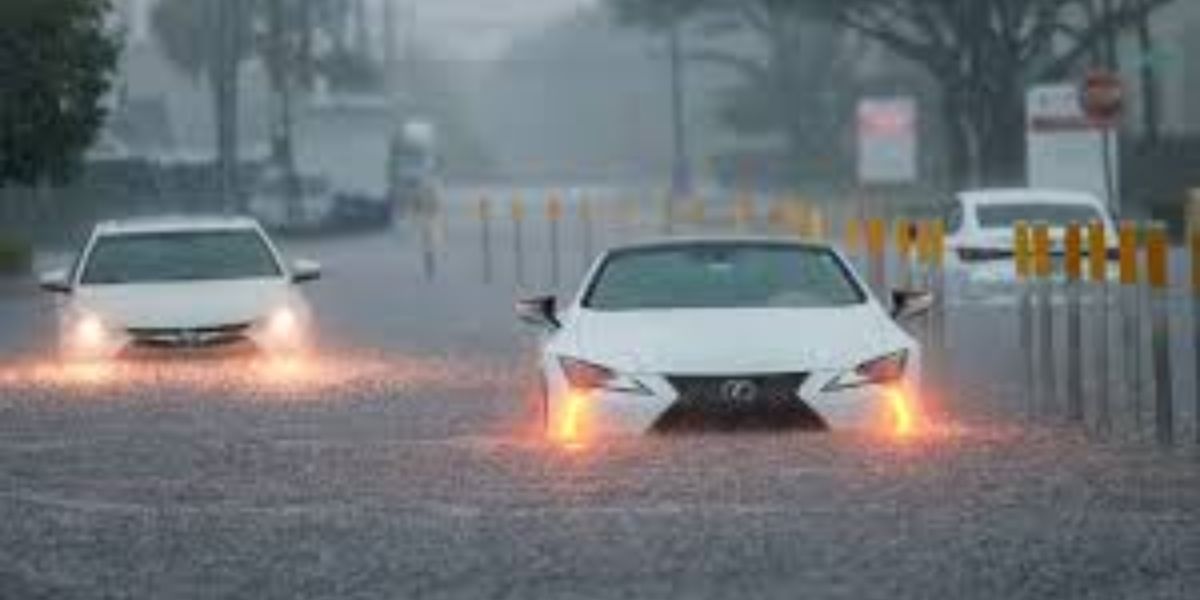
[[217, 341], [810, 406]]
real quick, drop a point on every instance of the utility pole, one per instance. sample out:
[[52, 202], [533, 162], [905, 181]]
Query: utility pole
[[681, 180], [281, 73], [226, 90]]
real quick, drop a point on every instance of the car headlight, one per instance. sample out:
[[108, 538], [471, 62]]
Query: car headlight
[[884, 370], [586, 377], [89, 331], [283, 323]]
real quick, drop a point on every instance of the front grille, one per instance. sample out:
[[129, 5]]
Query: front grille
[[736, 402], [196, 337]]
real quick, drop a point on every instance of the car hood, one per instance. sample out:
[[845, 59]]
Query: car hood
[[183, 305], [734, 341]]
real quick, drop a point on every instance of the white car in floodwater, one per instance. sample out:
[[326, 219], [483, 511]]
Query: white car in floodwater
[[723, 334], [980, 231], [180, 285]]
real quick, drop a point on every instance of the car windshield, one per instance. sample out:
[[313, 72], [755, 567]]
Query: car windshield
[[179, 256], [722, 276], [1004, 216]]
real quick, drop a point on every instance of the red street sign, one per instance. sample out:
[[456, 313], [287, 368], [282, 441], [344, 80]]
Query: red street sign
[[1102, 97]]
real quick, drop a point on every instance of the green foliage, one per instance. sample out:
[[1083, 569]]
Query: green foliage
[[16, 257], [56, 61]]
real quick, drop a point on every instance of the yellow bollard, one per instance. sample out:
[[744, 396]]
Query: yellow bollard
[[876, 248], [798, 220], [853, 236], [1073, 255], [1042, 267], [1097, 252], [1022, 250], [1195, 255], [1156, 257], [741, 212], [904, 241], [518, 209], [1128, 248], [777, 214], [817, 225], [876, 237], [554, 208]]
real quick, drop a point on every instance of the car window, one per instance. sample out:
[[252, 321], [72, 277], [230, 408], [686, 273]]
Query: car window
[[179, 256], [1004, 216], [722, 276]]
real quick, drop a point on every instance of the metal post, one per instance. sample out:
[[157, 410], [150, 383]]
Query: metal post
[[553, 215], [876, 248], [1098, 273], [1156, 271], [681, 185], [1074, 272], [485, 224], [904, 252], [585, 217], [1043, 270], [518, 216], [1131, 341], [1195, 258], [1022, 253]]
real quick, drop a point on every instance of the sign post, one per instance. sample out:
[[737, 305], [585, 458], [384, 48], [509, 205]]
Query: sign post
[[887, 140], [1067, 128]]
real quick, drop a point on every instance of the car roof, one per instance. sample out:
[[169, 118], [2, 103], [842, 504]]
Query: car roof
[[174, 223], [718, 240], [1028, 195]]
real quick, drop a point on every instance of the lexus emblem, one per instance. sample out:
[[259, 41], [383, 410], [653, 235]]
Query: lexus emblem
[[739, 391]]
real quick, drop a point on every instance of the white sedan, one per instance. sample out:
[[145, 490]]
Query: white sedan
[[724, 334], [980, 234], [178, 284]]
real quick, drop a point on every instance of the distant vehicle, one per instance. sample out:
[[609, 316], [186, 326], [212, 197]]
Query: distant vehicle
[[724, 334], [177, 284], [414, 167], [980, 230]]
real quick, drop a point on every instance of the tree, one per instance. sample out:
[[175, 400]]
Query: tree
[[793, 70], [210, 40], [56, 62], [984, 54]]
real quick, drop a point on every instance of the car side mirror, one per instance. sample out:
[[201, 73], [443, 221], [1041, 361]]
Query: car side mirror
[[304, 271], [540, 312], [56, 282], [910, 304]]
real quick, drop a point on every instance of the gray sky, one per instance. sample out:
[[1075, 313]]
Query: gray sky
[[481, 29]]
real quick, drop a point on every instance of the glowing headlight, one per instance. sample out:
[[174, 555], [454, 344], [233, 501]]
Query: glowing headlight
[[879, 371], [89, 331], [586, 377], [284, 323]]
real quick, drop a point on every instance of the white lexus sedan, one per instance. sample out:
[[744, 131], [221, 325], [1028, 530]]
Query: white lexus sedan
[[980, 237], [723, 334], [180, 285]]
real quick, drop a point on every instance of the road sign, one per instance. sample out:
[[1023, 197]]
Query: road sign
[[1067, 149], [1102, 97], [887, 140]]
